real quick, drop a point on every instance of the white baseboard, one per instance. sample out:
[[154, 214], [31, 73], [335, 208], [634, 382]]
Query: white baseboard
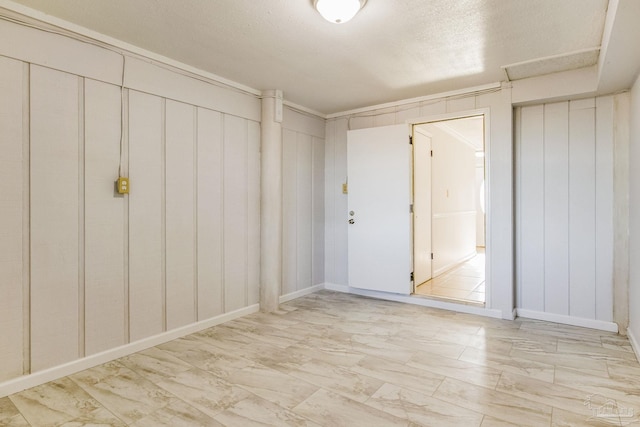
[[301, 293], [634, 342], [454, 264], [337, 288], [37, 378], [425, 302], [568, 320]]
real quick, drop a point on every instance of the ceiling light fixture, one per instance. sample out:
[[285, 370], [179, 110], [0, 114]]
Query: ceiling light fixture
[[338, 11]]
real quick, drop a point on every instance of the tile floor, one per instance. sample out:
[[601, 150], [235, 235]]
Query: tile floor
[[464, 283], [331, 359]]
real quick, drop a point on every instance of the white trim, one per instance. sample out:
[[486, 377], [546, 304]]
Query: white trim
[[467, 91], [546, 58], [634, 343], [425, 302], [22, 383], [75, 29], [568, 320], [337, 288], [432, 118], [302, 108], [301, 293]]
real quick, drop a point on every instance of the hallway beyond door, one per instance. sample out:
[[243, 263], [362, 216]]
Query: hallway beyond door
[[464, 283]]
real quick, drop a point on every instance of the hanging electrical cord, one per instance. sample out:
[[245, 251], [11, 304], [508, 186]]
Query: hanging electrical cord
[[124, 62]]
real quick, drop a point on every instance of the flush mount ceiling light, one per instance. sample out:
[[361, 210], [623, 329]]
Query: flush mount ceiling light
[[338, 11]]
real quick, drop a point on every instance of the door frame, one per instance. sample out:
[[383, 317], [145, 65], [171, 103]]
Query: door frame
[[416, 130], [485, 112]]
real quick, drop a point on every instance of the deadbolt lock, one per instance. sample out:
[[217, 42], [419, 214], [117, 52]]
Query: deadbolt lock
[[351, 221]]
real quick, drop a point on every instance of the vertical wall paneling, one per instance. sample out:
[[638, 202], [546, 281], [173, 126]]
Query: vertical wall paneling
[[125, 210], [303, 211], [289, 211], [304, 205], [253, 226], [81, 221], [11, 218], [532, 206], [318, 211], [180, 224], [26, 218], [573, 211], [556, 208], [582, 271], [341, 240], [54, 217], [331, 191], [235, 212], [604, 207], [145, 215], [209, 214]]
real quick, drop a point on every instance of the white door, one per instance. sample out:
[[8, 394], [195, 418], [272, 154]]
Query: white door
[[378, 164], [421, 206]]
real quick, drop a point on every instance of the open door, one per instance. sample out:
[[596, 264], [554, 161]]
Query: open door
[[421, 206], [379, 230]]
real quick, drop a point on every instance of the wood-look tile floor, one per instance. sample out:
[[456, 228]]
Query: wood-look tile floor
[[464, 283], [331, 359]]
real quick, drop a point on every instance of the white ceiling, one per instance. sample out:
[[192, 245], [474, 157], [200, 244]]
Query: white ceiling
[[392, 50]]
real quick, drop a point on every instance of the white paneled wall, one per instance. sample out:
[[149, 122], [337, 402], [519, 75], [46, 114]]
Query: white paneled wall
[[180, 127], [13, 195], [146, 215], [453, 222], [303, 202], [209, 215], [84, 270], [104, 239], [634, 220], [56, 279], [564, 208], [107, 269]]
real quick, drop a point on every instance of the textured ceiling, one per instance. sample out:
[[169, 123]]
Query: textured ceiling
[[392, 50]]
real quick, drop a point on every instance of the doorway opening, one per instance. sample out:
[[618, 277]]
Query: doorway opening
[[449, 210]]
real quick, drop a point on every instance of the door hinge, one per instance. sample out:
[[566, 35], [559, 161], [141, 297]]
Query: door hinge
[[410, 139], [412, 276], [431, 153], [431, 255], [411, 208]]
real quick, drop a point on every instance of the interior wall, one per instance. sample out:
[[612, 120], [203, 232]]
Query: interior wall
[[453, 200], [634, 220], [565, 208], [84, 270], [480, 220], [499, 176], [303, 201]]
